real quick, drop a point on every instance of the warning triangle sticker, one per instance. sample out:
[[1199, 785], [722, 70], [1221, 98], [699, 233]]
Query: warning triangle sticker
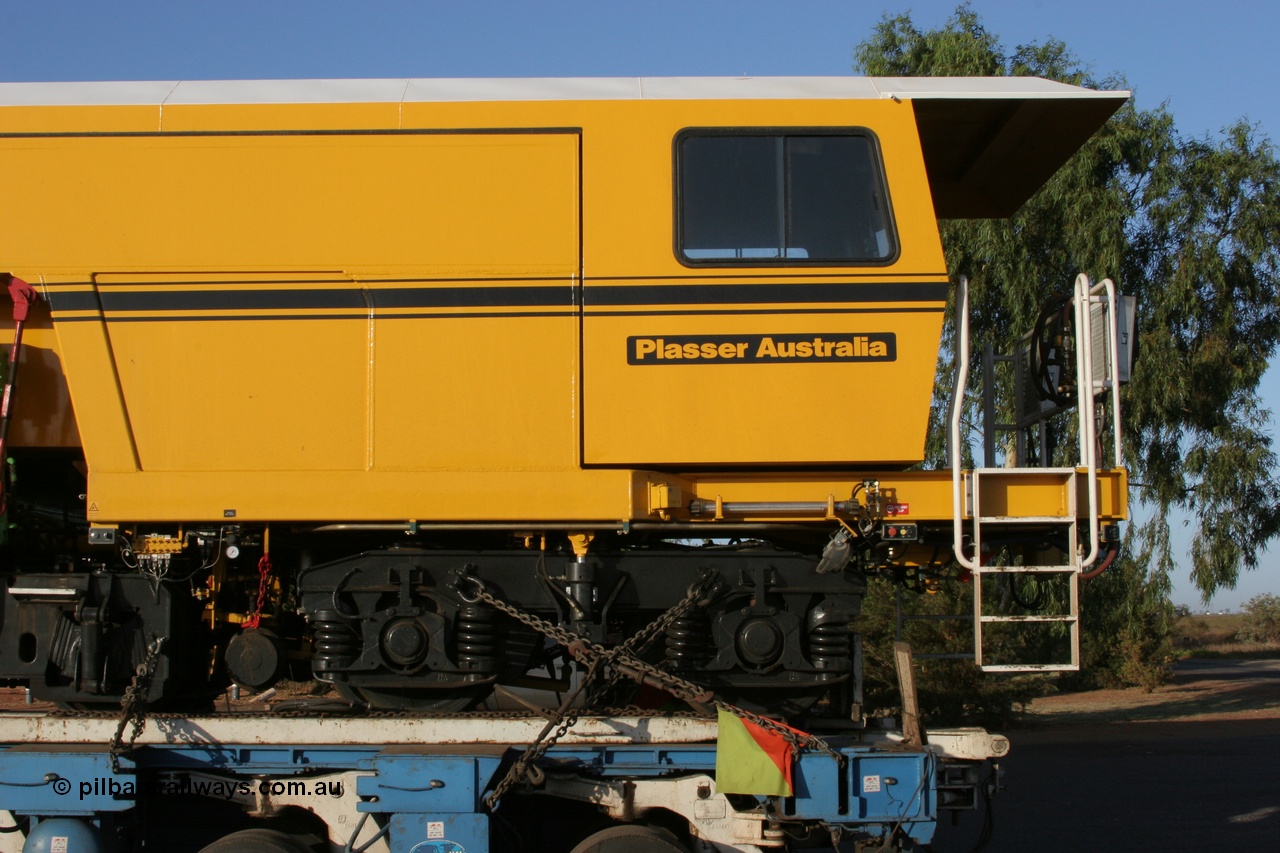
[[93, 507]]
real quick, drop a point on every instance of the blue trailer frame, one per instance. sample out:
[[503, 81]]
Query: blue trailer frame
[[380, 784]]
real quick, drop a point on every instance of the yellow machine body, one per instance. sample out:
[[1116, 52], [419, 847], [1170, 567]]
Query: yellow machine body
[[313, 303]]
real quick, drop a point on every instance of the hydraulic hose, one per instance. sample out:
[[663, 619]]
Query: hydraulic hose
[[1103, 566]]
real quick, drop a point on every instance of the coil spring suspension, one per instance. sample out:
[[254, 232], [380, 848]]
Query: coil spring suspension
[[830, 645], [337, 643], [689, 644], [476, 638]]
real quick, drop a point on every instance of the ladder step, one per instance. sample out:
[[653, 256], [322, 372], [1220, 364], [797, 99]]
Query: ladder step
[[1007, 570], [1014, 473], [937, 617], [1030, 667], [986, 619]]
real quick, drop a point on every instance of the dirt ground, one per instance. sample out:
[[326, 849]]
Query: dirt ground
[[1186, 767], [1200, 690]]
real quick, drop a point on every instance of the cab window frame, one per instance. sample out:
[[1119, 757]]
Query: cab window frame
[[880, 185]]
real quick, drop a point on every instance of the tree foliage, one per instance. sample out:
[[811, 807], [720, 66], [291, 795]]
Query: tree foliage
[[1191, 227]]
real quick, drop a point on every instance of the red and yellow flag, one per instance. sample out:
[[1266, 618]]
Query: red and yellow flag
[[751, 759]]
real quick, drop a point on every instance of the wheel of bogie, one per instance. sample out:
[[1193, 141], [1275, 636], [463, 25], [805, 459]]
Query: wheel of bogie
[[631, 838], [257, 841], [412, 699]]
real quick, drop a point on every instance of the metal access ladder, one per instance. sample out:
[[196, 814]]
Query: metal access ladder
[[997, 485], [1001, 500]]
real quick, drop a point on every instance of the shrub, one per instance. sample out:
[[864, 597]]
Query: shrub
[[1261, 620]]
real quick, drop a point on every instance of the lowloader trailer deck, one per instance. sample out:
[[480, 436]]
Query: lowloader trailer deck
[[401, 784]]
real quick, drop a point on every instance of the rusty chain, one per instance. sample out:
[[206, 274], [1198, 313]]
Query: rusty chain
[[622, 661], [583, 650], [558, 725], [683, 688], [133, 704]]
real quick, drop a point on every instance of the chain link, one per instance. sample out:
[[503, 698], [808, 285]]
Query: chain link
[[622, 661], [682, 688], [557, 726], [264, 587], [593, 656], [133, 704]]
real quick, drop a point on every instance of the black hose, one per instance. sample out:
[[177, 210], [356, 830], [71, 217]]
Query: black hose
[[1106, 564]]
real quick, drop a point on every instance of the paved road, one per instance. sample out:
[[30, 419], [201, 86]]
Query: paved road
[[1139, 786], [1228, 669]]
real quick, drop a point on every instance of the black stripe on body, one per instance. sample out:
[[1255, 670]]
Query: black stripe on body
[[556, 299]]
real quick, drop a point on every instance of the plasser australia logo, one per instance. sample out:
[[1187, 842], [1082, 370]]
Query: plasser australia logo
[[761, 349]]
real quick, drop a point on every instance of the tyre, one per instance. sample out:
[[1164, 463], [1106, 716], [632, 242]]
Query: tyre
[[636, 838], [257, 841]]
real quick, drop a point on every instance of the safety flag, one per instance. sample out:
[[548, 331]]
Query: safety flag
[[751, 759]]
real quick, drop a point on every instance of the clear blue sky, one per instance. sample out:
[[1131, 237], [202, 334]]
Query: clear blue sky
[[1210, 62]]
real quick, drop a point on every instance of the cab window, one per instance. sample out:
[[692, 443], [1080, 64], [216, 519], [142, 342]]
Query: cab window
[[784, 198]]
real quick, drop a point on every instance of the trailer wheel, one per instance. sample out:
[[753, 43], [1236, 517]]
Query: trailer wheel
[[631, 838], [257, 841]]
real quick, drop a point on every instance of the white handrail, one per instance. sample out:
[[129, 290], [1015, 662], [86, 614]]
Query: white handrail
[[1108, 287], [1084, 295], [1085, 402], [954, 416]]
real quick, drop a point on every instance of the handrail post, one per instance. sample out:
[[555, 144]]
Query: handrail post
[[1085, 403], [955, 413], [1108, 287]]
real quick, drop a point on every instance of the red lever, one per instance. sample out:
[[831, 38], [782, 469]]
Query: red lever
[[22, 295]]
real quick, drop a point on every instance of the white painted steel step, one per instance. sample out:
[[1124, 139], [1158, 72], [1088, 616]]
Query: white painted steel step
[[992, 523], [1010, 570], [1063, 618]]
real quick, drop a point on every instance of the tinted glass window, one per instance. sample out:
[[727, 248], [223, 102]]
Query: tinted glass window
[[788, 198]]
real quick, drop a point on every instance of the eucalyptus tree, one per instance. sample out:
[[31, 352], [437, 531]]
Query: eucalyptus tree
[[1191, 226]]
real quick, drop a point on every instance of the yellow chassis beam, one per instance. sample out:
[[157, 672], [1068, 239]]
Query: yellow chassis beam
[[579, 500], [913, 496]]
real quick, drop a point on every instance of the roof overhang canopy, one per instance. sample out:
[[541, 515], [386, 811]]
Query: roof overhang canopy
[[989, 143]]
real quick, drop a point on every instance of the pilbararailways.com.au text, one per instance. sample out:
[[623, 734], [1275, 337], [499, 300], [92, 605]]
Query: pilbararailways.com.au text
[[105, 786]]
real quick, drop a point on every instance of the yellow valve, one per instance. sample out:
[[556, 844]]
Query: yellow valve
[[581, 542], [160, 544]]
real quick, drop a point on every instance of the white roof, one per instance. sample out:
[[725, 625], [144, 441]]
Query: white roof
[[988, 142], [418, 90]]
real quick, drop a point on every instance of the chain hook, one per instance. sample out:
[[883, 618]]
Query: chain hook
[[704, 590], [467, 580]]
